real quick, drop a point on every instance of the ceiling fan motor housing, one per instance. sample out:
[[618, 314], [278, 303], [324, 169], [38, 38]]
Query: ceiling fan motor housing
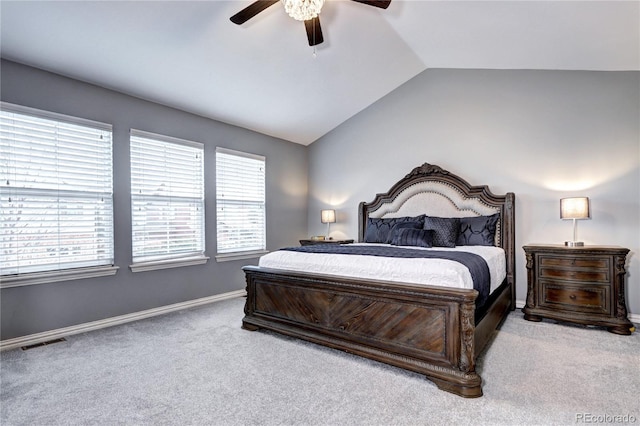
[[302, 10]]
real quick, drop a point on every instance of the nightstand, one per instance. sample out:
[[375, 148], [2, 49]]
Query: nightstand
[[583, 285], [312, 242]]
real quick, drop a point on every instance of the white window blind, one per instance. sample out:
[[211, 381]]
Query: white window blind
[[167, 197], [56, 192], [240, 199]]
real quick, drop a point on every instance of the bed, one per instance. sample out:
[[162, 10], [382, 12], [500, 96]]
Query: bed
[[430, 328]]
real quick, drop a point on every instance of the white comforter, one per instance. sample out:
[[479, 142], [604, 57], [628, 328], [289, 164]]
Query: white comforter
[[437, 272]]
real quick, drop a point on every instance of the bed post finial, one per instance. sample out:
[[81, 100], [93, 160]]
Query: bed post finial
[[427, 169]]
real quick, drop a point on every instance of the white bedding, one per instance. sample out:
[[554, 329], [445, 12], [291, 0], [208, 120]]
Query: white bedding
[[437, 272]]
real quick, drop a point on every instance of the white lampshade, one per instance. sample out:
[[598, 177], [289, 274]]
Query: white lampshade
[[574, 208], [327, 216]]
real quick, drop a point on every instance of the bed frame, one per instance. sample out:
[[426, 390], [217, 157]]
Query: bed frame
[[435, 331]]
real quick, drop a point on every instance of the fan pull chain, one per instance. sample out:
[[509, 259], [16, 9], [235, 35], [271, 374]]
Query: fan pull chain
[[314, 41]]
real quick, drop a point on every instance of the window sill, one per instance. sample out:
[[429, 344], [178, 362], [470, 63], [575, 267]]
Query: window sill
[[227, 257], [56, 276], [165, 264]]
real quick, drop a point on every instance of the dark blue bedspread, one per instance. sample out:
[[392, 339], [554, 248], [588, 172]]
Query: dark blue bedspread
[[476, 264]]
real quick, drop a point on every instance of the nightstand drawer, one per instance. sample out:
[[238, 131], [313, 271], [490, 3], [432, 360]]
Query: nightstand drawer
[[595, 276], [575, 262], [592, 299]]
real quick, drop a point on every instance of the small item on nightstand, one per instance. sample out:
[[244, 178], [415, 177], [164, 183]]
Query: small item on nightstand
[[313, 241]]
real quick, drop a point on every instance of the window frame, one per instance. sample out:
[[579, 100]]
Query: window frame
[[69, 273], [167, 260], [241, 254]]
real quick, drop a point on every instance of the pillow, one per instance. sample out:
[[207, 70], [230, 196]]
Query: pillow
[[478, 230], [445, 230], [413, 237], [378, 229], [402, 225]]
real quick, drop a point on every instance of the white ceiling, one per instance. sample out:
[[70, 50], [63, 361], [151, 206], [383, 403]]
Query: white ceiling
[[263, 75]]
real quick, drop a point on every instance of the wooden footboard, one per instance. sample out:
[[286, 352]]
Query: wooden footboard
[[429, 330]]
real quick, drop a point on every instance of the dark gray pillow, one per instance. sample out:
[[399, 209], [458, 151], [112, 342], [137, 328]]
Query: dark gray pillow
[[445, 230], [413, 237], [478, 230], [378, 229], [402, 225]]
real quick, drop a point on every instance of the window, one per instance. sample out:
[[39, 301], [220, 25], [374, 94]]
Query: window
[[167, 201], [240, 199], [56, 196]]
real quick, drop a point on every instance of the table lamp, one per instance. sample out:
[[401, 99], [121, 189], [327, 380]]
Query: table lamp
[[574, 208], [328, 217]]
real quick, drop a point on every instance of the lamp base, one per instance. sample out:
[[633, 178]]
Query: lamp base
[[574, 244]]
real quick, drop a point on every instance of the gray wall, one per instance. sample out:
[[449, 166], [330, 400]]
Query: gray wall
[[541, 134], [36, 308]]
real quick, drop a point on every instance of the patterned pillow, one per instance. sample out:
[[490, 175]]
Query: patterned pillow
[[445, 230], [478, 231], [413, 237], [378, 229], [402, 225]]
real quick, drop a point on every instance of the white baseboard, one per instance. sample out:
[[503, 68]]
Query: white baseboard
[[33, 339], [634, 318]]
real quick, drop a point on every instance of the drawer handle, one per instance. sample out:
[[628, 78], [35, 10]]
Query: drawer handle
[[572, 297]]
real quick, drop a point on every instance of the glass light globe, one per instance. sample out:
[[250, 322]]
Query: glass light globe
[[303, 10]]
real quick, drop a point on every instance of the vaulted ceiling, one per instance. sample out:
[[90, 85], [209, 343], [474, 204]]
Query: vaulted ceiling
[[263, 75]]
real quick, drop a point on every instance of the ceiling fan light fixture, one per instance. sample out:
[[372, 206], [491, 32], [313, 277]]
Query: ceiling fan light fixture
[[303, 10]]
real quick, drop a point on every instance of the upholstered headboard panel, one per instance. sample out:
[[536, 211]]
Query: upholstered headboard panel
[[434, 198]]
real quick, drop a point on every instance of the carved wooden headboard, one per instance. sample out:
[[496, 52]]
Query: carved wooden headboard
[[433, 191]]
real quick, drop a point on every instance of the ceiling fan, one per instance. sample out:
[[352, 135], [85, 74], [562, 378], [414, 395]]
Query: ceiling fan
[[301, 10]]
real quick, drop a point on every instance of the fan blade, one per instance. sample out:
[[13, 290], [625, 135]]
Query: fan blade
[[252, 10], [314, 32], [382, 4]]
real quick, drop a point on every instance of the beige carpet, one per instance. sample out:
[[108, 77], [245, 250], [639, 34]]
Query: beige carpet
[[199, 367]]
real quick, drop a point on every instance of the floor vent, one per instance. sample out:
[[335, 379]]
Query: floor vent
[[48, 342]]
